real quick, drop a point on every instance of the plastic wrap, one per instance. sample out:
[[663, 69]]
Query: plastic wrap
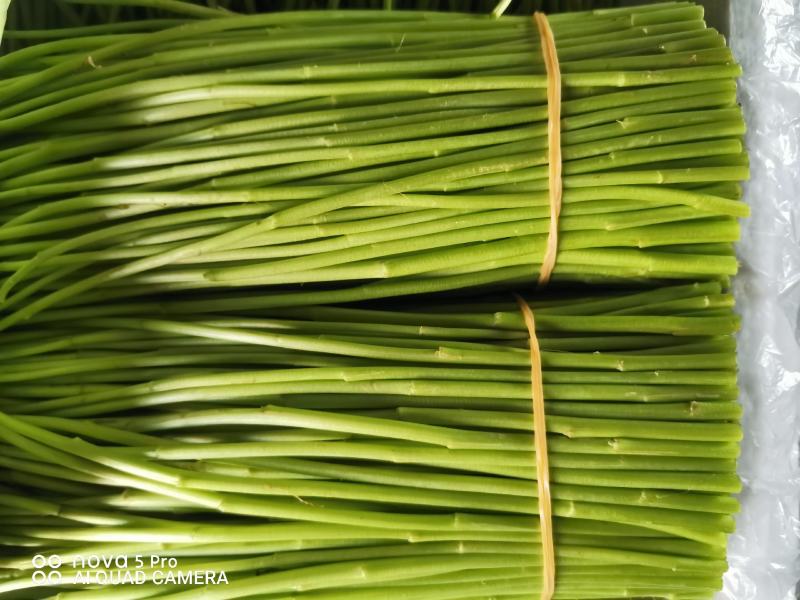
[[764, 553]]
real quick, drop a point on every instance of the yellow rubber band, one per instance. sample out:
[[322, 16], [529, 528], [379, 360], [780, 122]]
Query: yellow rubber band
[[553, 142], [542, 460]]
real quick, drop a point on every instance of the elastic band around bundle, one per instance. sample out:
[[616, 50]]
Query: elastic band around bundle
[[553, 143], [542, 460]]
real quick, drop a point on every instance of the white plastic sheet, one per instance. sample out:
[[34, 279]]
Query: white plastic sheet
[[764, 553]]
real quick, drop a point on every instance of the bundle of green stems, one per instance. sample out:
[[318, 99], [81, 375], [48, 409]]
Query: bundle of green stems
[[255, 308], [332, 453], [337, 156]]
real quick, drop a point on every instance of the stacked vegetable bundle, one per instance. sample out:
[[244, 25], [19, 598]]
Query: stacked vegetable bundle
[[184, 200], [332, 453], [362, 155]]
